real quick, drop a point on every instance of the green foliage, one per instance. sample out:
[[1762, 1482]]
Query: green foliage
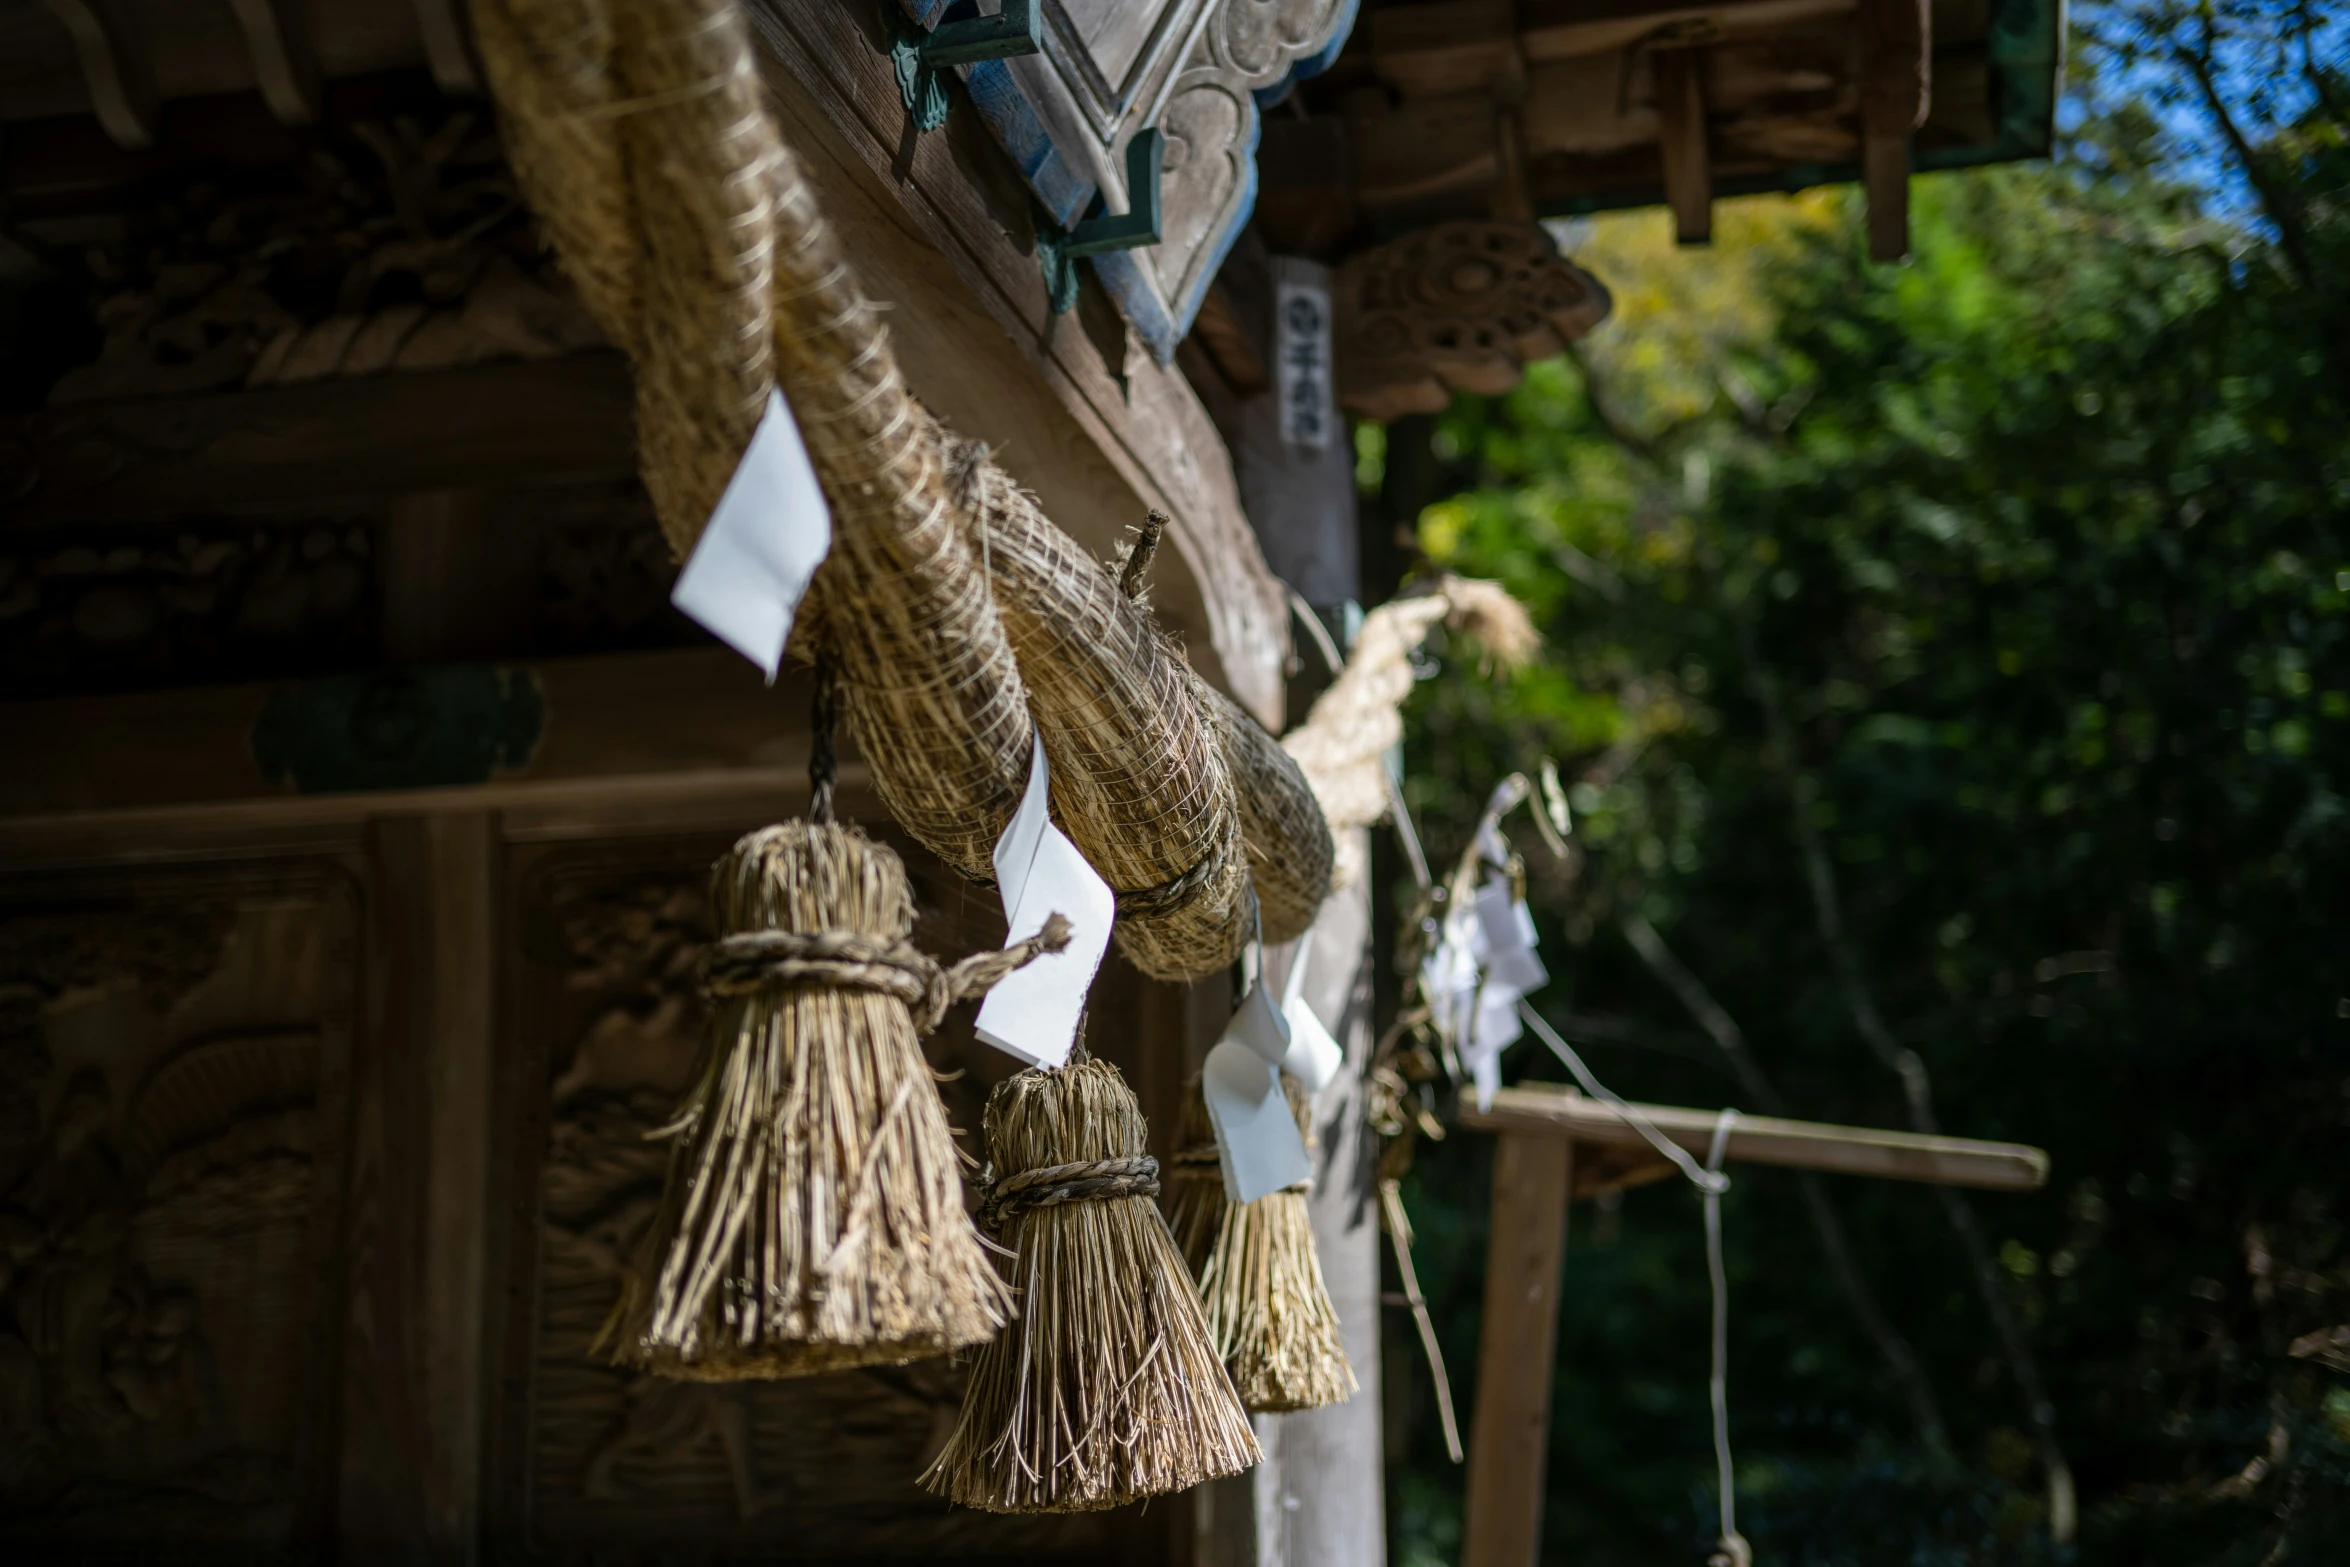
[[2038, 543]]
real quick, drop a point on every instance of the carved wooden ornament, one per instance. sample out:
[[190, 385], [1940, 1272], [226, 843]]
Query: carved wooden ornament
[[1459, 307], [1110, 70]]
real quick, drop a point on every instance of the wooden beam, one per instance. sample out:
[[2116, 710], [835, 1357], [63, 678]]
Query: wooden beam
[[1681, 130], [277, 39], [1452, 46], [1559, 29], [615, 729], [116, 68], [540, 421], [1535, 1109], [1509, 1443]]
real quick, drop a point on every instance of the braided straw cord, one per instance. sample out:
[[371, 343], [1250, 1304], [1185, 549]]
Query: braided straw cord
[[1260, 1273], [1138, 781], [1108, 1387], [813, 1217]]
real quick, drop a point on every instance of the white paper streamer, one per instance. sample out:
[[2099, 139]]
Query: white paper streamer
[[769, 533], [1313, 1057], [1033, 1012]]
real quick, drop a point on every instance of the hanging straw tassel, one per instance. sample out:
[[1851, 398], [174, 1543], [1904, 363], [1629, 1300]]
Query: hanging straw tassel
[[1108, 1389], [1260, 1276], [814, 1215]]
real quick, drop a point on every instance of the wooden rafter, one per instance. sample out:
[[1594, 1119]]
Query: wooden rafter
[[115, 67], [277, 39], [447, 47]]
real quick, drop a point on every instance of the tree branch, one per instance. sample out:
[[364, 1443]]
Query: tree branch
[[1730, 1039], [1917, 1090], [2273, 199]]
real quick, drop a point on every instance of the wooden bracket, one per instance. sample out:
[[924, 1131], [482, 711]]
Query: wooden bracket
[[116, 68], [1146, 157], [922, 59], [1015, 31]]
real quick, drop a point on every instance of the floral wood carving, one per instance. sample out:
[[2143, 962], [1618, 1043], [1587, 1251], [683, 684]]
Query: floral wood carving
[[1458, 307], [405, 249]]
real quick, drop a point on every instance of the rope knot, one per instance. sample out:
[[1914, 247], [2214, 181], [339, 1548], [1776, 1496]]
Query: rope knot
[[1004, 1199], [751, 961]]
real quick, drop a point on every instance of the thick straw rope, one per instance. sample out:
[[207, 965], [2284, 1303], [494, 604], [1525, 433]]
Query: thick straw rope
[[1156, 815], [640, 135]]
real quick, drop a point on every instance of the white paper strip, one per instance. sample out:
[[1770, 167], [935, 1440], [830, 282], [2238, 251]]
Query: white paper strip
[[1257, 1141], [769, 533], [1033, 1012], [1502, 941], [1313, 1057], [1258, 1023]]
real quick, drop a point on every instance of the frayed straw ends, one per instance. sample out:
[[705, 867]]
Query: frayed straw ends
[[814, 1215], [1108, 1389], [1260, 1276]]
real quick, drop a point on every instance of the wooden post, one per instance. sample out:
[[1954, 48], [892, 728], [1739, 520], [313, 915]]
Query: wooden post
[[1510, 1438], [1680, 120], [413, 1402]]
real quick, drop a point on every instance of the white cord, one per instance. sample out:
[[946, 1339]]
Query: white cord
[[1735, 1551], [1711, 1182]]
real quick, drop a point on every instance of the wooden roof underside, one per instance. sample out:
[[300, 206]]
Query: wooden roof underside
[[1542, 108]]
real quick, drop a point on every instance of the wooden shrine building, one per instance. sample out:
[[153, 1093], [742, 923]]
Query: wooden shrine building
[[358, 782]]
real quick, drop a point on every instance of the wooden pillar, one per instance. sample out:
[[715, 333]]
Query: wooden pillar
[[414, 1369], [1510, 1436], [1333, 1460]]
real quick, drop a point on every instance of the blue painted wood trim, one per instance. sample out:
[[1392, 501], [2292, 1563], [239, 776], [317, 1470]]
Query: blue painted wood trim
[[1066, 186]]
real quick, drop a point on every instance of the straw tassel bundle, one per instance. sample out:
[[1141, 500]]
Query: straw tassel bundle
[[1260, 1276], [814, 1213], [1108, 1387]]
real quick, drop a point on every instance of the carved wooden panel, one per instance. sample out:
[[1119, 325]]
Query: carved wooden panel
[[1456, 307], [173, 1052], [1114, 68], [592, 1460]]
